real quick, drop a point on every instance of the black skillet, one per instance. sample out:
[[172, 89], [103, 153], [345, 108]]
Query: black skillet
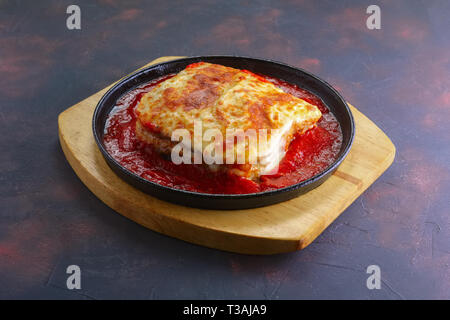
[[303, 79]]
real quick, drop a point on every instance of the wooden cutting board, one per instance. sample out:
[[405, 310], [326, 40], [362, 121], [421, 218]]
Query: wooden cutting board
[[284, 227]]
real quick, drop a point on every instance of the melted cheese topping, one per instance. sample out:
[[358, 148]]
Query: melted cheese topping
[[224, 98]]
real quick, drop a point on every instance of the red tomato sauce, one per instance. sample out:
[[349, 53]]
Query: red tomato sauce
[[308, 154]]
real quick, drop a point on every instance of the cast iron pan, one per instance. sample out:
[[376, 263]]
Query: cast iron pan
[[303, 79]]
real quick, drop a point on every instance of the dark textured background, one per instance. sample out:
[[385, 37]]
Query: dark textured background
[[398, 76]]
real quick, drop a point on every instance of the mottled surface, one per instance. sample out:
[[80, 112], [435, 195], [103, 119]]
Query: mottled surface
[[399, 76]]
